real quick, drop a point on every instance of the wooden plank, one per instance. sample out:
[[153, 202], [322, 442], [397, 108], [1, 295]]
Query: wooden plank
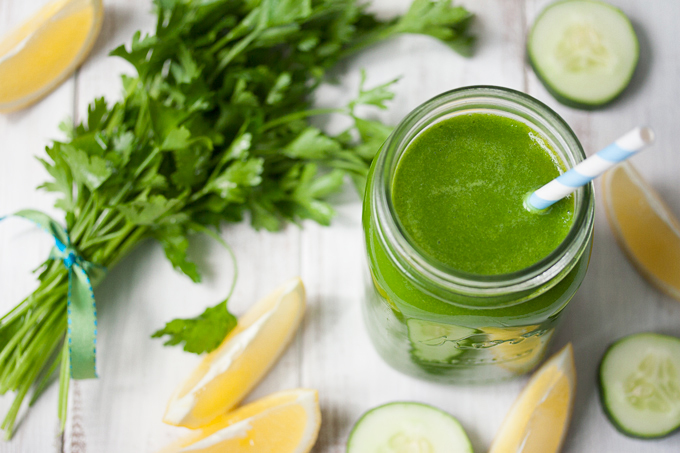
[[614, 300], [339, 359], [100, 76], [122, 410], [138, 375], [24, 135]]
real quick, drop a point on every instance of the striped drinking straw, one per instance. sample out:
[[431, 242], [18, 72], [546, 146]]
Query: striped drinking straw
[[622, 149]]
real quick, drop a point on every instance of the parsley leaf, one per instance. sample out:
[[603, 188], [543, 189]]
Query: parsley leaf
[[375, 96], [90, 170], [311, 144], [213, 128], [200, 334], [147, 211], [231, 184], [175, 244]]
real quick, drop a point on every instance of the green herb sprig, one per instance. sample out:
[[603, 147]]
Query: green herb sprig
[[213, 127]]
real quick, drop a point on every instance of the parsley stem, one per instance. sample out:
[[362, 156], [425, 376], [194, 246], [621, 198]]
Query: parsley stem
[[22, 332], [233, 53], [219, 239], [47, 375], [128, 244], [22, 389], [152, 155], [373, 37], [111, 247], [264, 6], [118, 218], [64, 381], [298, 116], [202, 136], [34, 346], [85, 219], [99, 239]]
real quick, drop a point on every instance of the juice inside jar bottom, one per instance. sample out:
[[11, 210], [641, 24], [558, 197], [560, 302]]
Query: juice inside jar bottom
[[458, 193]]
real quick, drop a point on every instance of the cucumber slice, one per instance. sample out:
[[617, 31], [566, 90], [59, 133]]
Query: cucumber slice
[[640, 385], [584, 52], [434, 341], [408, 427]]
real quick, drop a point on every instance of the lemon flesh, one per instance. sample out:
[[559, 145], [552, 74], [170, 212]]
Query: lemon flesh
[[43, 51], [519, 349], [644, 227], [538, 421], [226, 375], [284, 422]]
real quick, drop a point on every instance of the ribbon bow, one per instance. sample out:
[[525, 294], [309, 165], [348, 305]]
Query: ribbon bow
[[81, 308]]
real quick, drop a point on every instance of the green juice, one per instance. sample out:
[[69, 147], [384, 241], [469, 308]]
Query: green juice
[[458, 192], [454, 196]]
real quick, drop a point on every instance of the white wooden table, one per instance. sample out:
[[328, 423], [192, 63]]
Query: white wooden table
[[121, 411]]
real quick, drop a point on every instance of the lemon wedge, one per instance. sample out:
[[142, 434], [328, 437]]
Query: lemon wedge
[[226, 375], [644, 227], [43, 51], [538, 421], [519, 349], [284, 422]]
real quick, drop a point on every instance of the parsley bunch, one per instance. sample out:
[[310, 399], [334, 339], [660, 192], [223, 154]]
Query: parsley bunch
[[213, 127]]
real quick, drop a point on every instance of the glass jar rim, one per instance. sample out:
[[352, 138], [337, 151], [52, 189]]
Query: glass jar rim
[[407, 256]]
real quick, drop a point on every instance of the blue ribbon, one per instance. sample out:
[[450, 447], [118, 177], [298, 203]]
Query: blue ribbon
[[81, 307]]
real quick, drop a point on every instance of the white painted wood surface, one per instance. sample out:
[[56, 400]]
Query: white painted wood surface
[[121, 411]]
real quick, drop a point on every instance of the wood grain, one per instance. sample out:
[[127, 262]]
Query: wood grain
[[614, 299], [121, 411], [23, 135]]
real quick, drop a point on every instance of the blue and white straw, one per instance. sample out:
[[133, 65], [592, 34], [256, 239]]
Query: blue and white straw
[[622, 149]]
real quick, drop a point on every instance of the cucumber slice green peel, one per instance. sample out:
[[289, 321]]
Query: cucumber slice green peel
[[640, 385], [583, 51], [408, 427]]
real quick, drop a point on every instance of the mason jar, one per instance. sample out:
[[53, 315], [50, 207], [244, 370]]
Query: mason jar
[[435, 323]]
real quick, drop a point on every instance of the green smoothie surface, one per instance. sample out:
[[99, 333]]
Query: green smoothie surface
[[458, 193]]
